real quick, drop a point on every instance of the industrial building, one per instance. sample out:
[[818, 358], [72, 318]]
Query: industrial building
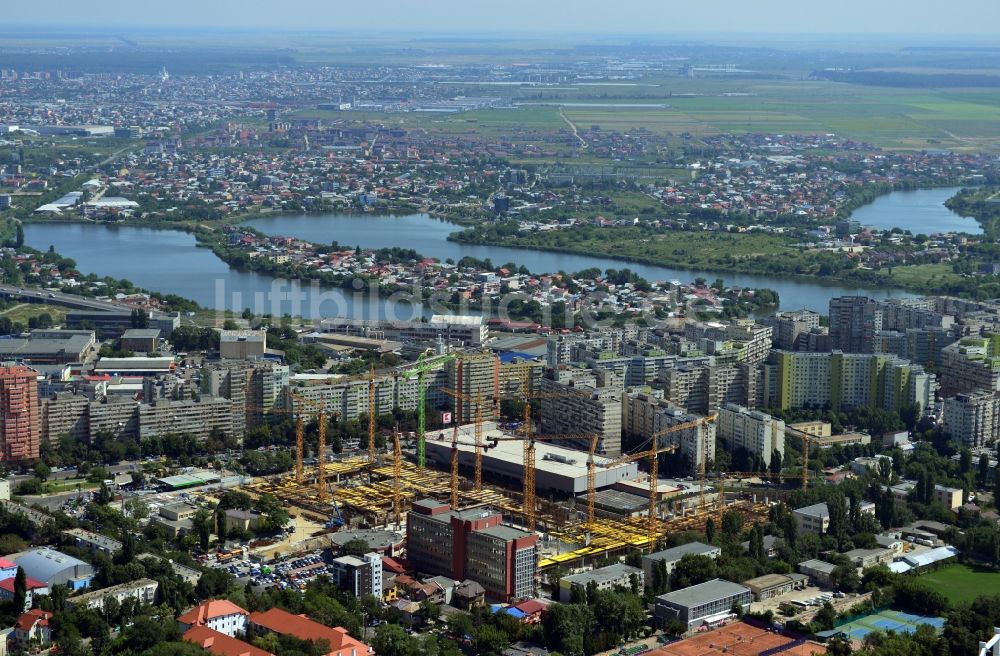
[[468, 331], [50, 347], [702, 605], [558, 470]]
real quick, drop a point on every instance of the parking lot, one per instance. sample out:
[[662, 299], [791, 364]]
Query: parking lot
[[292, 573]]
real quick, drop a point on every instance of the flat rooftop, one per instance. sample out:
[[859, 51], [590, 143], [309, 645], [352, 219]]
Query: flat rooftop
[[703, 593]]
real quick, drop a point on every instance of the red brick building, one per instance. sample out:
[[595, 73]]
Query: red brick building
[[20, 429], [472, 544]]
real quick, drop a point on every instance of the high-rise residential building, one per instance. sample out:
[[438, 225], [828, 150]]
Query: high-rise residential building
[[757, 432], [702, 387], [197, 419], [846, 380], [854, 321], [969, 365], [65, 414], [20, 428], [242, 344], [472, 544], [582, 409], [789, 326], [973, 418], [477, 377]]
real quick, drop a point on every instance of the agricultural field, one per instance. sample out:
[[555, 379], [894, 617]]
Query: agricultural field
[[962, 583]]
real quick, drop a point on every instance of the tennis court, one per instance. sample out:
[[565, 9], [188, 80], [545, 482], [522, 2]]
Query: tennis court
[[886, 620]]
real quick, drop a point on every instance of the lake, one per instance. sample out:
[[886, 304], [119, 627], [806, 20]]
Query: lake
[[921, 212]]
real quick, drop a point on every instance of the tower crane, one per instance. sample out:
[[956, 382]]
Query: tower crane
[[477, 403], [651, 454], [419, 370]]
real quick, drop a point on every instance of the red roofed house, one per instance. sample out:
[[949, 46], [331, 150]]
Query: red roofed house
[[33, 627], [34, 587], [221, 644], [217, 614], [8, 569], [303, 628]]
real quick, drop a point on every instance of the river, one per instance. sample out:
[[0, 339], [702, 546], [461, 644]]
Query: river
[[169, 261]]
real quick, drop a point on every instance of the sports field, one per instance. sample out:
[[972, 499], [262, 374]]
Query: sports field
[[962, 583], [886, 620]]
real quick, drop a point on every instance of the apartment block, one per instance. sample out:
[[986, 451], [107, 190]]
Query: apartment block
[[65, 414], [195, 418], [973, 418], [573, 409], [757, 432], [20, 427], [359, 575], [790, 326], [475, 376], [854, 322]]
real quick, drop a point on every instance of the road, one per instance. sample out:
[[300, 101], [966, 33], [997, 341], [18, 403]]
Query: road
[[58, 298]]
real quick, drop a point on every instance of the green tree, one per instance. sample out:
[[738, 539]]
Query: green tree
[[391, 640], [825, 617], [20, 590], [692, 569], [201, 521]]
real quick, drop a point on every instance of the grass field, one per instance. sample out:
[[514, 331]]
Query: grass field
[[921, 274], [960, 119], [961, 583], [23, 311]]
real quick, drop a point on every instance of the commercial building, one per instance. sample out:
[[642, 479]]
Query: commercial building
[[752, 430], [20, 428], [359, 575], [141, 340], [52, 567], [285, 623], [472, 544], [242, 344], [110, 324], [870, 557], [50, 347], [134, 366], [558, 470], [219, 615], [142, 590], [702, 605], [468, 331], [973, 418], [670, 557], [773, 585], [610, 577]]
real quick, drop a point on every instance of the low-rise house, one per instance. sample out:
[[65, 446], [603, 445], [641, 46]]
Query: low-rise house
[[870, 557], [34, 587], [33, 628], [468, 595]]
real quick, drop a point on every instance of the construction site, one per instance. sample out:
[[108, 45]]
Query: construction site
[[536, 480]]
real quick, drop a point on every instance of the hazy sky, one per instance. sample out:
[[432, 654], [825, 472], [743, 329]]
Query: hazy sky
[[953, 17]]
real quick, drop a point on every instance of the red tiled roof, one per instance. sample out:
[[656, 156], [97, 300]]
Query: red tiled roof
[[209, 610], [392, 565], [221, 644], [32, 617], [7, 564], [303, 628], [33, 584], [530, 607]]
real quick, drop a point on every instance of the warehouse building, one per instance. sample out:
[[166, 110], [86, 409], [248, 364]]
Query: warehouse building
[[53, 567]]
